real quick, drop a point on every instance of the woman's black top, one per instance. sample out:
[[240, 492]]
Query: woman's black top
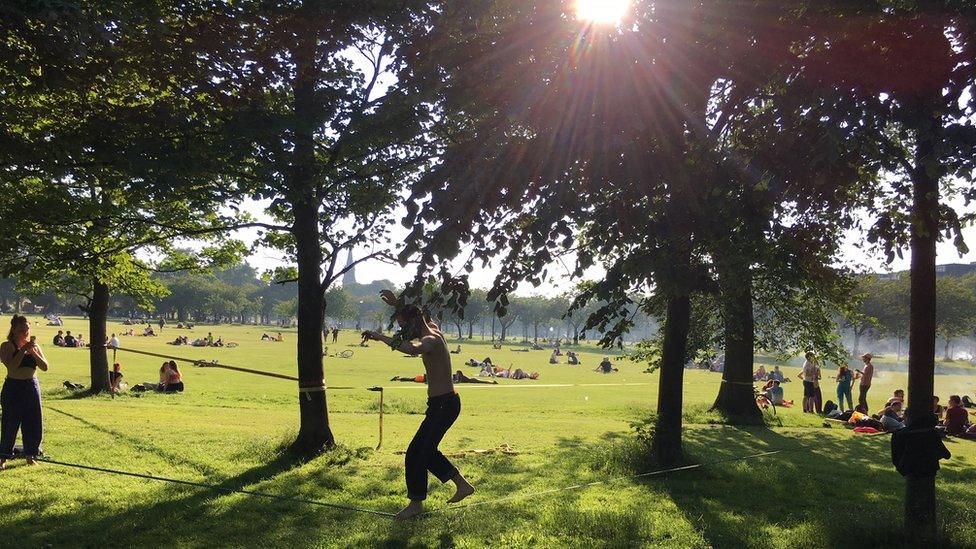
[[28, 361]]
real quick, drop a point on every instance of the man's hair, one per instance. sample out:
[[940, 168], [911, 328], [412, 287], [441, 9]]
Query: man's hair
[[410, 312], [776, 382], [955, 399]]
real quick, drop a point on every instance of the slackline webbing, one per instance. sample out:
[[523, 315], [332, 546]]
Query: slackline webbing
[[597, 483], [442, 510], [749, 383], [313, 387], [203, 363], [292, 499]]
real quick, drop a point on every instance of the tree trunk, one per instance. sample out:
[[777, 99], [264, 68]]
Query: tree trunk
[[920, 505], [97, 317], [735, 395], [667, 435], [314, 433]]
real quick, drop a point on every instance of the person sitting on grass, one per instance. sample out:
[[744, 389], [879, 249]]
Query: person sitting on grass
[[280, 338], [956, 418], [938, 409], [69, 340], [115, 378], [59, 339], [892, 418], [776, 374], [759, 374], [572, 358], [486, 370], [80, 342], [218, 343], [148, 332], [456, 351], [774, 395], [265, 337], [173, 379], [606, 366], [459, 377], [898, 395], [496, 346], [554, 357]]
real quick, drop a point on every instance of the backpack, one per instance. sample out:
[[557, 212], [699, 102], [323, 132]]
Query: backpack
[[829, 406]]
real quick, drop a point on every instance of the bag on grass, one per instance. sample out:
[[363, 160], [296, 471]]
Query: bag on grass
[[829, 406]]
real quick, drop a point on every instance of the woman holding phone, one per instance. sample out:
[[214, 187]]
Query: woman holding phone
[[21, 393]]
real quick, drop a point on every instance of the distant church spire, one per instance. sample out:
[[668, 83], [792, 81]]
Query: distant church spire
[[350, 276]]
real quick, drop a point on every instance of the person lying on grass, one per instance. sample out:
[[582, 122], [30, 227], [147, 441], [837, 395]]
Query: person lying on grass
[[459, 377], [418, 337], [517, 373]]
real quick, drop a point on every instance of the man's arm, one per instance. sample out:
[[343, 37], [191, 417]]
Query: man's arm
[[408, 347]]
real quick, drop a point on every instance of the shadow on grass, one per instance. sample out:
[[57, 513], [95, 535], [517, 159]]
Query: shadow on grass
[[140, 444], [823, 491]]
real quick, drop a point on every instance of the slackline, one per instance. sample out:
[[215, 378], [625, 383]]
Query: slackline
[[442, 510], [597, 483], [203, 363], [526, 386], [291, 499]]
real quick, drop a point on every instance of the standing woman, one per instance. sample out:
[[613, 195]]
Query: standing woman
[[21, 394], [845, 379]]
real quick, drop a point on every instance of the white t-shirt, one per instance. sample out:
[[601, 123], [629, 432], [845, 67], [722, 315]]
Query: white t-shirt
[[114, 343]]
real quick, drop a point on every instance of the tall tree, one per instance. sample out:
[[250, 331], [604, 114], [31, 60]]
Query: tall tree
[[907, 65], [310, 87], [104, 157]]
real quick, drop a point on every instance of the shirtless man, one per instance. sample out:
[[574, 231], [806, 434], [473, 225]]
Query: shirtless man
[[418, 337]]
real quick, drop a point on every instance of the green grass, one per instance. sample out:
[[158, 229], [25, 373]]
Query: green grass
[[828, 488]]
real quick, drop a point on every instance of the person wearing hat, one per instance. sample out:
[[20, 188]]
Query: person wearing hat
[[865, 375]]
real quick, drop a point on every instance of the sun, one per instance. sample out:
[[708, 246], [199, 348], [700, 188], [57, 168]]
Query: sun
[[606, 12]]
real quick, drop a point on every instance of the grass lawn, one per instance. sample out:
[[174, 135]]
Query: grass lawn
[[827, 488]]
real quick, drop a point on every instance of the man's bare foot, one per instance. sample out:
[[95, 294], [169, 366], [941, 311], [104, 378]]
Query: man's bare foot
[[464, 489], [413, 509], [3, 464]]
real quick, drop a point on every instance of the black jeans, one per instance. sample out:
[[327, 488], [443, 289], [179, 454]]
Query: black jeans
[[21, 401], [422, 454], [862, 395]]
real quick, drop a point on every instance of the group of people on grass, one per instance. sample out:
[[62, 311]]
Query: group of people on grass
[[571, 357], [279, 338], [955, 419], [62, 339], [208, 341]]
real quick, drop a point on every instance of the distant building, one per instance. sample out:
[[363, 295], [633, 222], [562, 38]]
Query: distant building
[[349, 277], [955, 269], [949, 269]]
